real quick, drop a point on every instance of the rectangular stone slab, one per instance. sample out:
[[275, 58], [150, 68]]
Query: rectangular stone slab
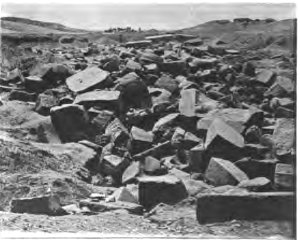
[[246, 206]]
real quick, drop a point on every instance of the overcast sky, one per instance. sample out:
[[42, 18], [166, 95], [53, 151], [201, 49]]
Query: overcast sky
[[175, 16]]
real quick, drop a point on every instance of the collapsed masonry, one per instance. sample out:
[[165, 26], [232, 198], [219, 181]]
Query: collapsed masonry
[[169, 119]]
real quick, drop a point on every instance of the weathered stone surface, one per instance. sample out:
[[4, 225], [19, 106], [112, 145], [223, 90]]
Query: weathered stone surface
[[35, 84], [138, 44], [149, 57], [265, 76], [134, 92], [109, 206], [174, 67], [151, 165], [156, 189], [113, 165], [131, 172], [257, 168], [247, 206], [140, 139], [258, 184], [22, 96], [164, 122], [117, 131], [197, 160], [237, 118], [284, 136], [223, 141], [284, 177], [45, 102], [49, 205], [168, 83], [188, 102], [222, 172], [283, 87], [87, 79], [124, 195], [101, 121], [100, 99], [70, 121]]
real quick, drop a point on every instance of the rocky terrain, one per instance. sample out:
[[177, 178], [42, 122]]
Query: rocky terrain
[[188, 133]]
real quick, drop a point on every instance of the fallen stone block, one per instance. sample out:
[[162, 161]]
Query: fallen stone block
[[70, 122], [156, 189], [168, 83], [122, 194], [164, 122], [283, 87], [138, 44], [222, 172], [87, 79], [35, 84], [113, 165], [248, 206], [22, 96], [103, 206], [49, 205], [223, 141], [284, 137], [151, 166], [257, 168], [101, 121], [101, 99], [131, 172], [265, 76], [174, 67], [140, 139], [284, 177], [44, 103], [198, 161], [188, 102], [150, 57], [134, 92], [117, 131]]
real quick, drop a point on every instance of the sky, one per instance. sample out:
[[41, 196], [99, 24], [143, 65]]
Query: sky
[[146, 16]]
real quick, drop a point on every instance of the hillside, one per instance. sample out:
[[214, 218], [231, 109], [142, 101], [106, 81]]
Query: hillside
[[23, 25], [251, 35]]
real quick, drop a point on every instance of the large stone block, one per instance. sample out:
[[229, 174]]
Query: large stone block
[[246, 206], [49, 205], [156, 189]]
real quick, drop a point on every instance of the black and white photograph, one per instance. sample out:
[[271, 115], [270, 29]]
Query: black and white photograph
[[142, 120]]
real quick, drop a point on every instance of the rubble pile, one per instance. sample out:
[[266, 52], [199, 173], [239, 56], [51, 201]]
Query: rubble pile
[[168, 120]]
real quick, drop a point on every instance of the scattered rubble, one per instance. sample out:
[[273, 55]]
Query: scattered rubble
[[158, 121]]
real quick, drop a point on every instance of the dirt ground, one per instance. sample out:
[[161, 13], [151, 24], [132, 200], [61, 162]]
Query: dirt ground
[[120, 223]]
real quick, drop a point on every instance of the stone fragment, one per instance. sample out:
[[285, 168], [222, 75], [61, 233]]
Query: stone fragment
[[168, 83], [45, 102], [265, 76], [222, 172], [124, 195], [134, 92], [131, 172], [103, 206], [151, 165]]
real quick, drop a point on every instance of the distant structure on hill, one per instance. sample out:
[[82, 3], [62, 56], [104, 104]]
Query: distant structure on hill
[[121, 30]]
